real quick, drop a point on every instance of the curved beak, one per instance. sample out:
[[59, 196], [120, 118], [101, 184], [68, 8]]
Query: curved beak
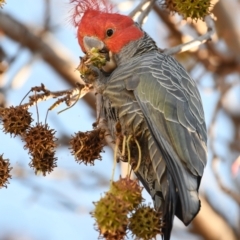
[[92, 42]]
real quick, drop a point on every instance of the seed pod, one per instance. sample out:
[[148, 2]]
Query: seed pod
[[196, 9], [129, 191], [145, 223], [87, 146], [4, 171], [86, 72], [111, 218], [41, 143], [15, 120], [40, 139], [44, 162]]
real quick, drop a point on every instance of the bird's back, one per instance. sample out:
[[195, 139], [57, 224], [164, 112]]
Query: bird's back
[[154, 99]]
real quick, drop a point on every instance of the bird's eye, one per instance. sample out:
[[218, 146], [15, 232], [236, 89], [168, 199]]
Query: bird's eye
[[110, 32]]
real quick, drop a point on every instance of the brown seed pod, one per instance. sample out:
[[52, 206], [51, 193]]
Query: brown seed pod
[[41, 143], [87, 146], [44, 162], [15, 120], [128, 190], [111, 218], [4, 171], [145, 223], [40, 139]]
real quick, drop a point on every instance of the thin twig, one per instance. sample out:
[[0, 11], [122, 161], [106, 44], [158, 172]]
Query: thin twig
[[64, 66], [145, 12], [196, 42], [137, 9], [139, 155], [141, 11], [235, 196], [47, 15], [72, 105], [215, 159], [115, 156], [129, 154], [37, 109]]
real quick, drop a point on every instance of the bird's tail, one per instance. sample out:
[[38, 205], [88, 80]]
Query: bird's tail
[[169, 208]]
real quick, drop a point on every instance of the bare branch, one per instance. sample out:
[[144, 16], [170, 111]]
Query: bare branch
[[47, 15], [167, 20], [142, 11], [235, 196], [24, 36], [196, 42]]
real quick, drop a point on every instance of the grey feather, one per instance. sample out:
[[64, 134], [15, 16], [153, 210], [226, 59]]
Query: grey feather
[[152, 96]]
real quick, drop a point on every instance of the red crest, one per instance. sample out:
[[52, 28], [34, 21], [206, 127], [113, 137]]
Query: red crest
[[81, 6]]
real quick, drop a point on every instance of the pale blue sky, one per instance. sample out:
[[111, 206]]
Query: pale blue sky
[[53, 207]]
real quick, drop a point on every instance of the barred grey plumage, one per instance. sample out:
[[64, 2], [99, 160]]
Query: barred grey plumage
[[155, 100]]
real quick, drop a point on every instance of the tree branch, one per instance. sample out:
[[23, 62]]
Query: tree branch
[[234, 195], [196, 42], [142, 11], [24, 36]]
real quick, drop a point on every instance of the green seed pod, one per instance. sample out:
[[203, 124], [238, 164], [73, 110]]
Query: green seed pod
[[129, 191], [196, 9], [145, 223], [111, 218]]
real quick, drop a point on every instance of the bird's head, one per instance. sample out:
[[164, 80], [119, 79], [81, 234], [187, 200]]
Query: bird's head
[[99, 27]]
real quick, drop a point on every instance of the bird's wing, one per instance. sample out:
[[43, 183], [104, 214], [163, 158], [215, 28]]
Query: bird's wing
[[172, 107]]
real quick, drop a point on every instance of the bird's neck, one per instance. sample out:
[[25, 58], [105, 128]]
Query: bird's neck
[[136, 48]]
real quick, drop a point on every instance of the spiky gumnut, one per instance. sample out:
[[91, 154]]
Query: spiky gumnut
[[4, 171], [145, 223], [86, 72], [87, 146], [96, 58], [41, 143], [128, 190], [44, 162], [93, 58], [196, 9], [39, 138], [111, 218], [15, 120]]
